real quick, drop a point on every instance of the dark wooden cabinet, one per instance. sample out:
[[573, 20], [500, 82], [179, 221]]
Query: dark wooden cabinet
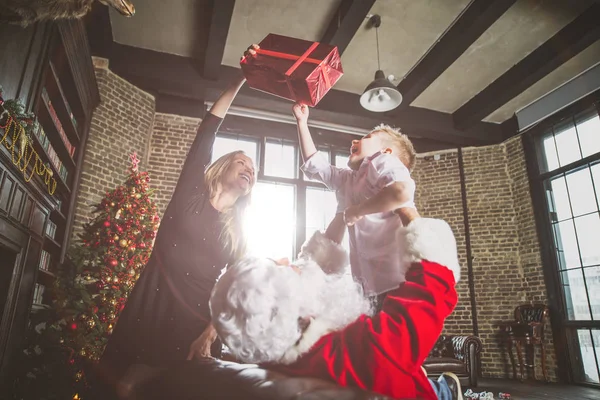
[[48, 67]]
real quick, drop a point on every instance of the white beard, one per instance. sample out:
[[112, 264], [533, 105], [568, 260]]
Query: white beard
[[330, 302]]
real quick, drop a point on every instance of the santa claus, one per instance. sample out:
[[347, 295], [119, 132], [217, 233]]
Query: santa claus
[[298, 320]]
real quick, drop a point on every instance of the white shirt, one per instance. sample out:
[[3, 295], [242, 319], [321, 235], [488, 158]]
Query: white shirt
[[376, 256]]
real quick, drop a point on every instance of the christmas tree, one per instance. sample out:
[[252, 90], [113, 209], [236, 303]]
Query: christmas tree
[[90, 293]]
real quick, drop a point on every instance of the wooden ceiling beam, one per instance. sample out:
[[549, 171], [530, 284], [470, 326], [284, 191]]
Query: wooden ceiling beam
[[172, 75], [466, 29], [222, 12], [346, 21], [99, 30], [568, 42]]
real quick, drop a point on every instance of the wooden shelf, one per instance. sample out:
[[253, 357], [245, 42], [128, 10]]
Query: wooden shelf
[[39, 307], [59, 181], [45, 118], [61, 107], [54, 243], [47, 273], [57, 211], [46, 278]]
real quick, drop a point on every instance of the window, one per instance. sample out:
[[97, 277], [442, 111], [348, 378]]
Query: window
[[569, 161], [280, 160], [286, 206], [226, 144], [271, 223], [570, 141]]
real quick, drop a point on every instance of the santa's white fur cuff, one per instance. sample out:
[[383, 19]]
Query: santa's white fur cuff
[[331, 256], [432, 240]]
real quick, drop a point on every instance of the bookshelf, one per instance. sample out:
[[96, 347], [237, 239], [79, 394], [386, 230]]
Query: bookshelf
[[58, 139], [50, 71]]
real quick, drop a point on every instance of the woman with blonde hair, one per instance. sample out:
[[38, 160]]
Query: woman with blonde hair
[[167, 316]]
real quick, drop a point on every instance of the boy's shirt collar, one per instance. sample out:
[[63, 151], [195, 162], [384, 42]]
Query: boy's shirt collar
[[367, 160]]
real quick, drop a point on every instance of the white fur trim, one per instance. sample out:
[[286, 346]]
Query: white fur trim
[[432, 240], [315, 331], [330, 256]]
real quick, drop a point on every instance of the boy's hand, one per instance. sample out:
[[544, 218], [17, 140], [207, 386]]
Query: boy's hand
[[300, 112], [351, 215]]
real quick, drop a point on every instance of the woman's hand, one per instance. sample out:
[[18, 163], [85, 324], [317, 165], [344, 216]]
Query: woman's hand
[[251, 51], [200, 348]]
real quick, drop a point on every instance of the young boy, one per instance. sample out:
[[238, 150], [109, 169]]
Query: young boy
[[377, 184]]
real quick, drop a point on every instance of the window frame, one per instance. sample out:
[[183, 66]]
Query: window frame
[[563, 329], [335, 144]]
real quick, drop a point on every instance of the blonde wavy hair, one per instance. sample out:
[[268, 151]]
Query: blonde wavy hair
[[399, 142], [232, 236]]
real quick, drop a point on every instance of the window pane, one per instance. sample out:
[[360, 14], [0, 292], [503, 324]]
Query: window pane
[[321, 205], [592, 280], [588, 355], [271, 221], [588, 230], [280, 160], [560, 199], [566, 243], [581, 192], [550, 154], [224, 145], [589, 135], [341, 160], [325, 152], [567, 144], [575, 295], [596, 179]]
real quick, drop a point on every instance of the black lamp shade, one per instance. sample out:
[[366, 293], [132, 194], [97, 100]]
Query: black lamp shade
[[380, 95]]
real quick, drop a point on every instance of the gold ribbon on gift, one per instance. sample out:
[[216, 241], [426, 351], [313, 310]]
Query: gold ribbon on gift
[[22, 153]]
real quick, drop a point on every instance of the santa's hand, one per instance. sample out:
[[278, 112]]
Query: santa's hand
[[200, 348], [351, 215]]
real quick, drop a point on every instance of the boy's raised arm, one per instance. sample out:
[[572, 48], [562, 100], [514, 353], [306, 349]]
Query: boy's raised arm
[[307, 145]]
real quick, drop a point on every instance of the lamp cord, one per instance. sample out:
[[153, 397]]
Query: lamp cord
[[377, 40]]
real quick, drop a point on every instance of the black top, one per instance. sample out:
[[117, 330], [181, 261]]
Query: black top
[[168, 307]]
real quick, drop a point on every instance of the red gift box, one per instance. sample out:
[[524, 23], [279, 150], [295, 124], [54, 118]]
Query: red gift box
[[294, 69]]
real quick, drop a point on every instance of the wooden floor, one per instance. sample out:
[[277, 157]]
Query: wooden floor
[[536, 390]]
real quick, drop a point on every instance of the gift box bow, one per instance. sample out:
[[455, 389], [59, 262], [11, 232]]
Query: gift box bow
[[304, 58]]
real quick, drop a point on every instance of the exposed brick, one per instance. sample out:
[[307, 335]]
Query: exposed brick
[[506, 254], [507, 269], [121, 124], [171, 140]]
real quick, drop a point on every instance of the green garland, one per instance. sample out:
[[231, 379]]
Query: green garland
[[16, 109]]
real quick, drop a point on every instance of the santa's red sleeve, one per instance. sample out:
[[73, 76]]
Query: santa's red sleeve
[[384, 353]]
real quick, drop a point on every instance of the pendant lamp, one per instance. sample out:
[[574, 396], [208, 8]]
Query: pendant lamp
[[381, 95]]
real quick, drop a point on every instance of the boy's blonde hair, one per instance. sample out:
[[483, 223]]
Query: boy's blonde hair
[[400, 143]]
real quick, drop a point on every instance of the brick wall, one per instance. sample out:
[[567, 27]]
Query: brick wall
[[506, 256], [438, 195], [121, 124], [171, 139]]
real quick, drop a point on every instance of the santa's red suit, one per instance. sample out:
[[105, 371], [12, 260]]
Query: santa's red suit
[[384, 353]]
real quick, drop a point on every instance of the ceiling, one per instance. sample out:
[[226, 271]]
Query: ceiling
[[472, 64]]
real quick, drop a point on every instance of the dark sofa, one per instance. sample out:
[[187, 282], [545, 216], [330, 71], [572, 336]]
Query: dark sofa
[[458, 354], [216, 379]]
